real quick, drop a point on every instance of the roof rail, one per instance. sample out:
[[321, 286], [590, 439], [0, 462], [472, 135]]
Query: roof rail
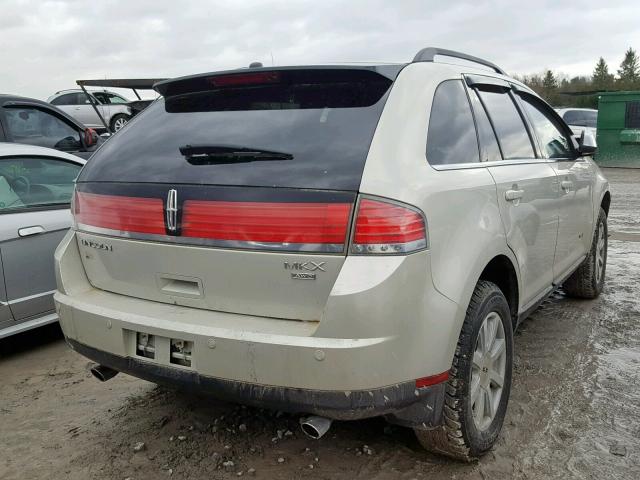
[[428, 55]]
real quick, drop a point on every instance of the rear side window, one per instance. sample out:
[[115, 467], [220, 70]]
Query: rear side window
[[322, 121], [66, 99], [509, 126], [632, 115], [591, 118], [554, 143], [489, 149], [83, 99], [574, 117], [451, 137]]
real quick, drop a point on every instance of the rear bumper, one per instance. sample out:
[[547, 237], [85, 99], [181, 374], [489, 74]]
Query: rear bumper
[[381, 330], [401, 403]]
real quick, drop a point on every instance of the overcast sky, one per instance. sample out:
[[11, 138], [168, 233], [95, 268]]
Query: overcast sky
[[46, 45]]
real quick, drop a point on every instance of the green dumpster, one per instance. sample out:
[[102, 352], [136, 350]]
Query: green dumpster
[[618, 134]]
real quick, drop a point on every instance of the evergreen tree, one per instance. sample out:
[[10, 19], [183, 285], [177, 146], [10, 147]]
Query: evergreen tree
[[550, 88], [601, 78], [549, 82], [629, 71]]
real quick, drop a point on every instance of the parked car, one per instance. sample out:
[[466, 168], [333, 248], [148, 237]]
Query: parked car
[[36, 185], [34, 122], [580, 119], [114, 108], [337, 241]]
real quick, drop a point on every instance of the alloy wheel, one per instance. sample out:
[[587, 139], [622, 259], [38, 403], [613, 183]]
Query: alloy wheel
[[119, 123], [488, 371], [600, 253]]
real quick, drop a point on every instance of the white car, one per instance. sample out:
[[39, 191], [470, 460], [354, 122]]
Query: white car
[[114, 108], [342, 241], [36, 186], [580, 119]]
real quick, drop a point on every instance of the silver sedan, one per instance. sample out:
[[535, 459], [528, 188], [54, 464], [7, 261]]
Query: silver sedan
[[36, 186]]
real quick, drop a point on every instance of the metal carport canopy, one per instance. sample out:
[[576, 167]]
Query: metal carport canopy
[[135, 83], [132, 83]]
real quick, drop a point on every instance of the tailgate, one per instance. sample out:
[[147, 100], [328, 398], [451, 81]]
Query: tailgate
[[232, 250]]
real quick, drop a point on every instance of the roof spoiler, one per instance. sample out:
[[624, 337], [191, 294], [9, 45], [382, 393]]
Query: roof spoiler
[[428, 55]]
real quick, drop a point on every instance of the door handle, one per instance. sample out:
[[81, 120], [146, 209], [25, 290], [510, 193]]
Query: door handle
[[566, 185], [77, 108], [511, 195], [28, 231]]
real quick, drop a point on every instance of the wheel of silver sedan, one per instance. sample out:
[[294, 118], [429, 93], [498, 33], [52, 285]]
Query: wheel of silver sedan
[[601, 253], [119, 123], [488, 371]]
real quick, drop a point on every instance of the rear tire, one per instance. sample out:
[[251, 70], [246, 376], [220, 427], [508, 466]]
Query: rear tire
[[479, 384], [118, 121], [587, 281]]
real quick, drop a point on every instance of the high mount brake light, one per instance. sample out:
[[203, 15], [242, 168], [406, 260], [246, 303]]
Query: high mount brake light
[[387, 228], [240, 79]]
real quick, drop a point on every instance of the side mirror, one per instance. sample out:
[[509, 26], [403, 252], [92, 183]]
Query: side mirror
[[90, 137], [587, 144]]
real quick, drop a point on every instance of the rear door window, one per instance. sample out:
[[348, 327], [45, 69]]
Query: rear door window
[[489, 148], [574, 117], [510, 128], [102, 97], [321, 120], [451, 138], [591, 118], [66, 99]]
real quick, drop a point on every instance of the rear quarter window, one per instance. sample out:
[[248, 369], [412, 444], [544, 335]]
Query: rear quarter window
[[451, 138]]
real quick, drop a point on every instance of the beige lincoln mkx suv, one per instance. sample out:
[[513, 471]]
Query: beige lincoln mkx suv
[[337, 241]]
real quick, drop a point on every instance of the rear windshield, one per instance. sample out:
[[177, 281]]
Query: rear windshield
[[318, 122]]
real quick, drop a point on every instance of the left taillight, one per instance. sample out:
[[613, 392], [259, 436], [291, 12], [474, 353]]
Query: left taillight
[[387, 228], [114, 214]]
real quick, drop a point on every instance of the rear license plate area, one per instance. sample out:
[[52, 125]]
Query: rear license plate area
[[163, 350]]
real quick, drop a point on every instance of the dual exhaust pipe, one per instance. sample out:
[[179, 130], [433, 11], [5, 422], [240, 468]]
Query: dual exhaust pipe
[[313, 426], [103, 373]]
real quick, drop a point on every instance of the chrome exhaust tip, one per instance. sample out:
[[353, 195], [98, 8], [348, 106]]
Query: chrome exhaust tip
[[103, 373], [315, 427]]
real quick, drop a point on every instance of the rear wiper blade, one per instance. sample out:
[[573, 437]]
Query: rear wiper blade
[[207, 154]]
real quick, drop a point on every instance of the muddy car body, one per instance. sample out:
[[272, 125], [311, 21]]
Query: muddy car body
[[344, 241]]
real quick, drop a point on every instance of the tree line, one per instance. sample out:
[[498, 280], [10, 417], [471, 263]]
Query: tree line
[[553, 87]]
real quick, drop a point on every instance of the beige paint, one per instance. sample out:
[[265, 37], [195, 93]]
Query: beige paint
[[372, 321]]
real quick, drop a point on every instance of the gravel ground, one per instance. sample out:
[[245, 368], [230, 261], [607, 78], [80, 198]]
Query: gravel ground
[[574, 410]]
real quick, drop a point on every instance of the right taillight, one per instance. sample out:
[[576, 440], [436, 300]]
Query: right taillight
[[383, 227]]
